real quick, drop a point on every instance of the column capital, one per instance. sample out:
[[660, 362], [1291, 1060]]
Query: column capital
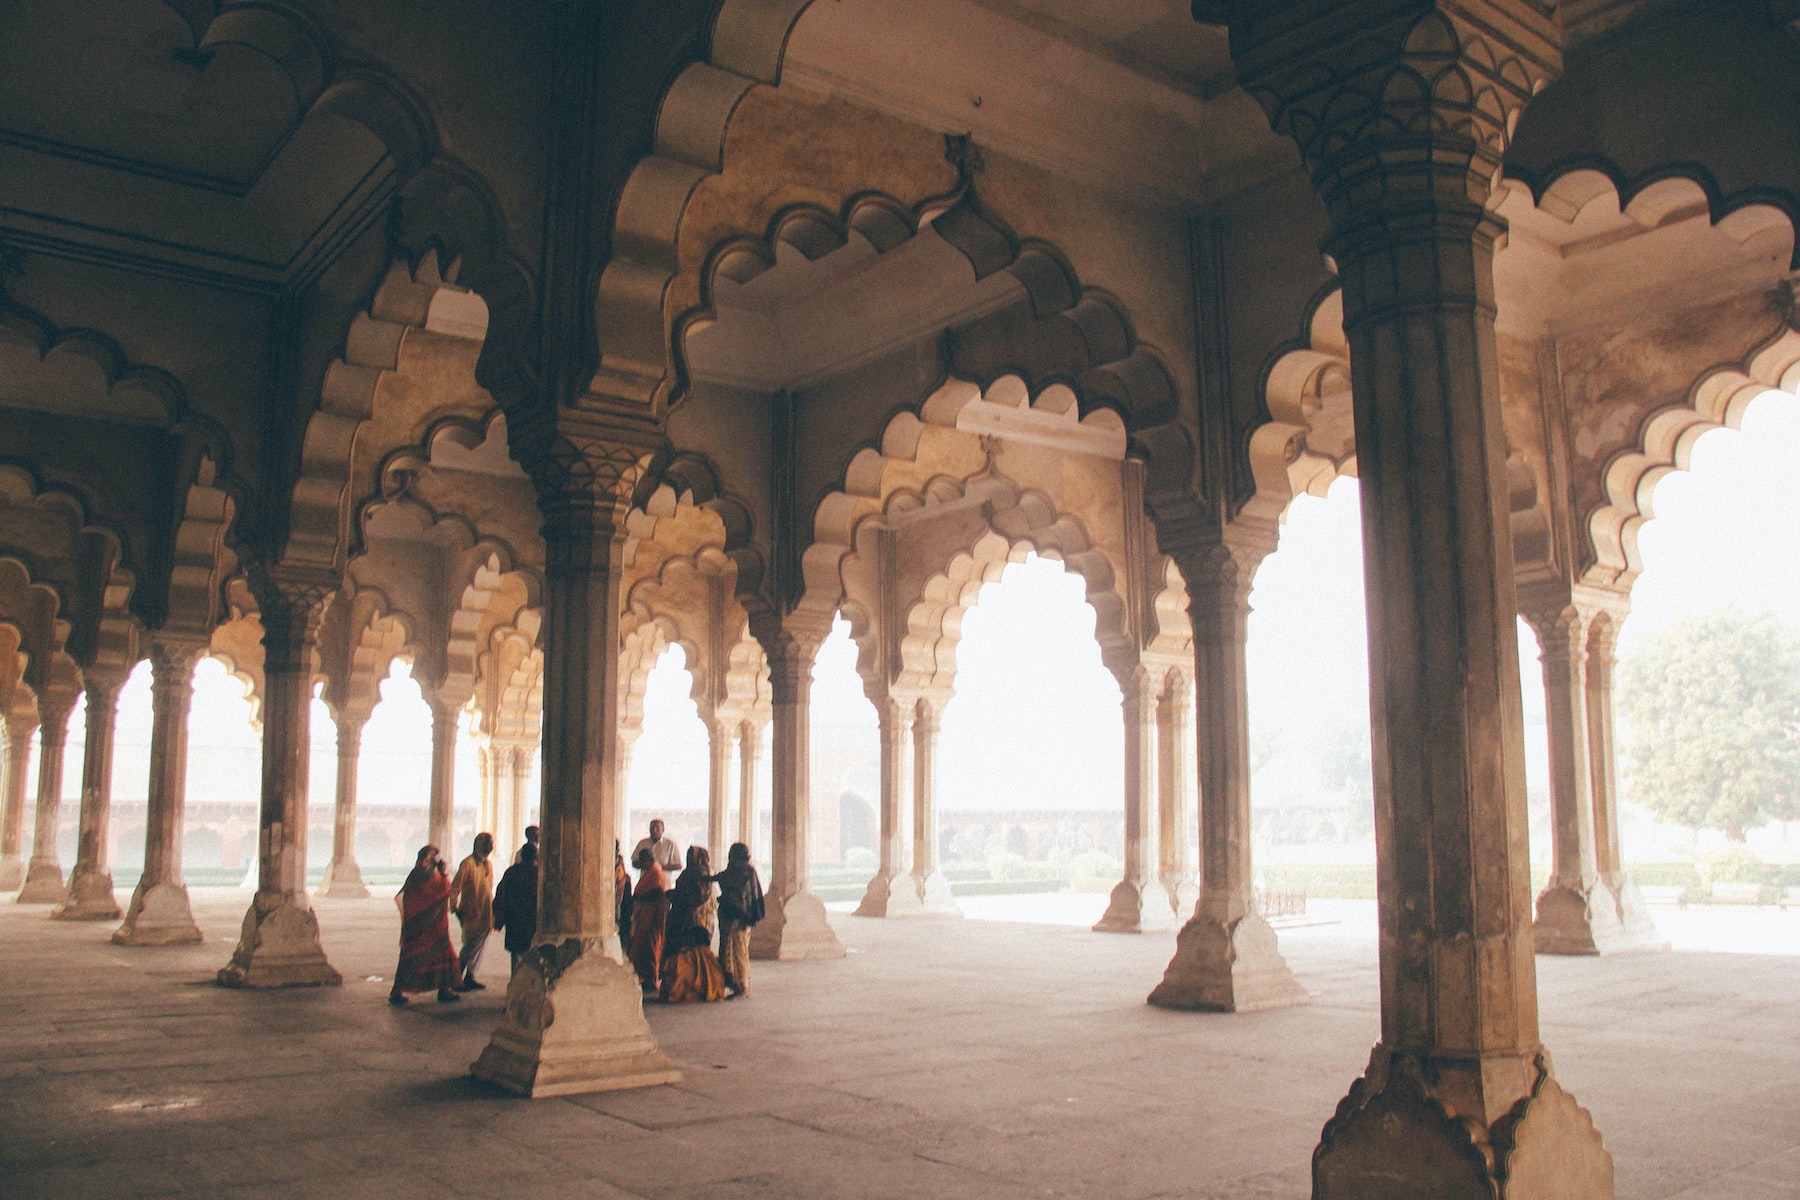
[[291, 602], [585, 466], [173, 657], [791, 648], [1398, 107]]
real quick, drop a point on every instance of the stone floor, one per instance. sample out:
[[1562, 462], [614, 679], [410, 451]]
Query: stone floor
[[952, 1059]]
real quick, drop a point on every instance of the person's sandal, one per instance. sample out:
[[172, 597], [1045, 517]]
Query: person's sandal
[[446, 996], [396, 999]]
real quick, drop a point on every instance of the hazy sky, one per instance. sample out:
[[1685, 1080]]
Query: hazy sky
[[1036, 720]]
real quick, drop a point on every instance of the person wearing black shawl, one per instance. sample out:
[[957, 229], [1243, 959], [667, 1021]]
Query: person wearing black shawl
[[740, 908], [690, 970]]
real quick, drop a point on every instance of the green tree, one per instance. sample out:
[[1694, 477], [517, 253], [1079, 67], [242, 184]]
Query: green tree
[[1713, 706]]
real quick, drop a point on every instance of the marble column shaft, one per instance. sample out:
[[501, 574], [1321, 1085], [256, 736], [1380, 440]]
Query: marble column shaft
[[795, 925], [574, 1019], [1226, 956], [43, 873], [90, 896], [890, 891], [1176, 795], [749, 750], [519, 794], [343, 876], [279, 943], [934, 890], [1138, 902], [19, 737], [718, 789], [442, 816], [159, 913]]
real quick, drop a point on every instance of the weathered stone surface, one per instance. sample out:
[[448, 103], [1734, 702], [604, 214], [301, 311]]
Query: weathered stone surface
[[279, 947], [1236, 968], [574, 1023], [159, 916]]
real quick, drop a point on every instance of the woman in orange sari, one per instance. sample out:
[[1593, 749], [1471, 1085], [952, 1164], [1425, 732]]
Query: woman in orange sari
[[649, 920], [427, 960], [691, 973]]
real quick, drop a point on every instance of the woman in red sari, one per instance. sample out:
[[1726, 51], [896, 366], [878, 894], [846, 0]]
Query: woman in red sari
[[427, 960], [649, 920]]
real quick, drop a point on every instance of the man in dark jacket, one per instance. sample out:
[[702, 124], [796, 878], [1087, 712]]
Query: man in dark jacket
[[515, 903]]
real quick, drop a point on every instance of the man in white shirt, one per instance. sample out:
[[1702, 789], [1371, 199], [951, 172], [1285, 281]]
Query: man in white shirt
[[664, 850]]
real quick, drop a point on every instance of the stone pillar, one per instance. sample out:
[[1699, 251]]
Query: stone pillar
[[279, 944], [19, 734], [1636, 931], [718, 789], [343, 877], [90, 896], [891, 892], [574, 1018], [487, 800], [934, 890], [521, 793], [1402, 113], [749, 750], [1139, 901], [795, 924], [441, 830], [43, 874], [1226, 956], [1175, 793], [159, 914]]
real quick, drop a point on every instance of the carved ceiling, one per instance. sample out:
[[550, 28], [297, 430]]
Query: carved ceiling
[[203, 150]]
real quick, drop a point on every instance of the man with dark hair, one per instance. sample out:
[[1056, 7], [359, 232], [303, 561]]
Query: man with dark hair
[[472, 900], [515, 904]]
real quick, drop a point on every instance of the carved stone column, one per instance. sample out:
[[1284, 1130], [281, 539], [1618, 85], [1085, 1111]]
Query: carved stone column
[[90, 896], [441, 831], [487, 774], [1139, 901], [1226, 956], [279, 944], [749, 750], [159, 914], [520, 793], [343, 877], [795, 924], [1636, 931], [1175, 793], [891, 891], [934, 890], [43, 874], [1402, 112], [718, 789], [21, 728], [574, 1018]]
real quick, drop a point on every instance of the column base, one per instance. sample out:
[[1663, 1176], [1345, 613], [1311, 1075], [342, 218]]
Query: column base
[[1135, 908], [43, 884], [1186, 891], [574, 1023], [343, 881], [793, 928], [1610, 918], [279, 947], [90, 898], [159, 916], [1228, 968], [935, 897], [12, 872], [1393, 1135], [889, 895]]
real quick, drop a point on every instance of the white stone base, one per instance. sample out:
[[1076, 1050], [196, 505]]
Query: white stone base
[[159, 916], [12, 872], [1137, 909], [279, 947], [43, 884], [1235, 968], [344, 881], [90, 898], [794, 927], [889, 895], [908, 896], [574, 1023], [1609, 919]]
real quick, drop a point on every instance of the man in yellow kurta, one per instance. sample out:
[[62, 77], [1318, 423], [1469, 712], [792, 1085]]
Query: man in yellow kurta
[[472, 900]]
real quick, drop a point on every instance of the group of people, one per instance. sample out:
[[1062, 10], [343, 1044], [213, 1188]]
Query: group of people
[[665, 929], [427, 959]]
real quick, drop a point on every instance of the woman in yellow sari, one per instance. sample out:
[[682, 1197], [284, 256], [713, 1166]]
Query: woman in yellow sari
[[690, 971]]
